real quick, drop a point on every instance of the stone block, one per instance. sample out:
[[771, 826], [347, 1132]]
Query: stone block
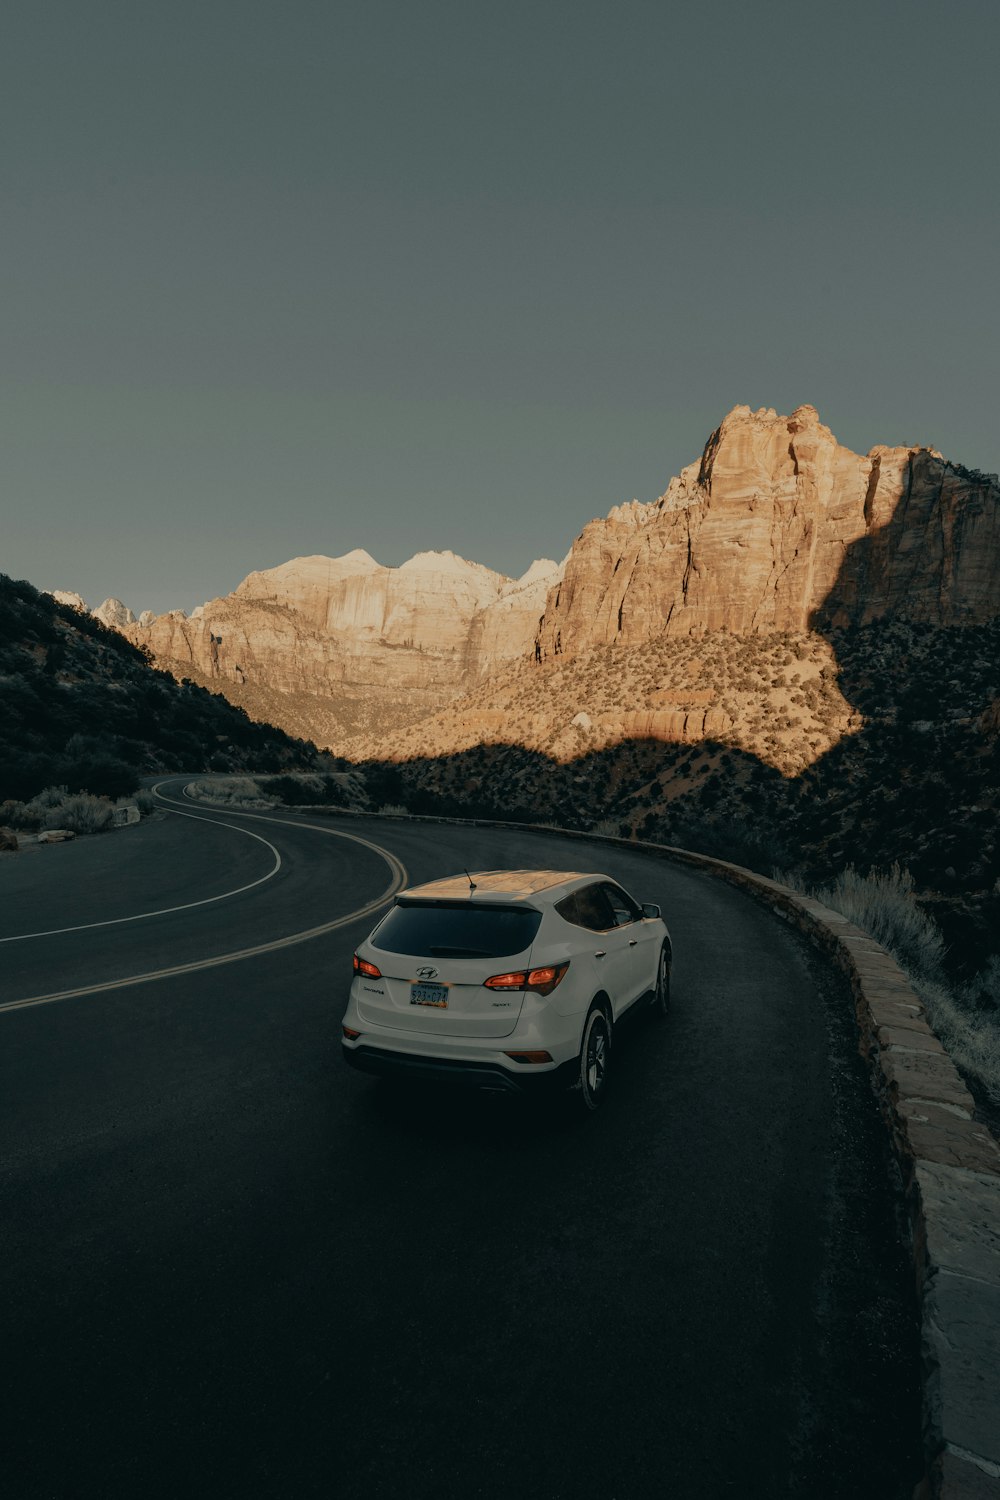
[[961, 1215], [924, 1076], [912, 1038], [891, 1007], [937, 1134], [961, 1336]]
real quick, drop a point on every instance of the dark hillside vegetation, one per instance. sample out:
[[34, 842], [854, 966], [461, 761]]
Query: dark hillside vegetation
[[81, 707], [918, 784], [896, 823]]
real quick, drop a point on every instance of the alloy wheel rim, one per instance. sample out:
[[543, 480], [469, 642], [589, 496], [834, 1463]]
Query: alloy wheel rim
[[597, 1057]]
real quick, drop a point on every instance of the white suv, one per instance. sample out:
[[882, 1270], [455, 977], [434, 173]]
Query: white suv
[[505, 979]]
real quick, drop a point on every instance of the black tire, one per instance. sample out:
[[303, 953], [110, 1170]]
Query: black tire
[[660, 1005], [595, 1055]]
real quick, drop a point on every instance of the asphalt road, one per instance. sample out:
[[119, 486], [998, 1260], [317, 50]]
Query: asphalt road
[[233, 1267]]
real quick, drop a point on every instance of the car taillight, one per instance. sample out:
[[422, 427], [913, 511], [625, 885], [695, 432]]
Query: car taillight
[[514, 981], [362, 966], [543, 980]]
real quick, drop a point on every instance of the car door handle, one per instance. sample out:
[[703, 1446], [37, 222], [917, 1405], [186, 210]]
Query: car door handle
[[632, 942], [601, 953]]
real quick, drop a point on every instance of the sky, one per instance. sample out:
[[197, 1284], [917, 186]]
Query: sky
[[292, 278]]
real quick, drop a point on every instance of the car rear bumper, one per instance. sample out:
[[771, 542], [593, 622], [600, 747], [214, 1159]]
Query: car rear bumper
[[459, 1072]]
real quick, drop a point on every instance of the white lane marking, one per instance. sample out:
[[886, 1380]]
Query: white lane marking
[[213, 963], [144, 916], [337, 833], [399, 879]]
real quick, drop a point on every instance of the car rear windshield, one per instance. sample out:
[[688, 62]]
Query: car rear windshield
[[442, 930]]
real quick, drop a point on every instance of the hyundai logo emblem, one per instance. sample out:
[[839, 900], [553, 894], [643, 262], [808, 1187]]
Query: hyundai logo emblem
[[427, 973]]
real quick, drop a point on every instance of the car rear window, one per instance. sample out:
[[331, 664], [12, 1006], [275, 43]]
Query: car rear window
[[439, 930]]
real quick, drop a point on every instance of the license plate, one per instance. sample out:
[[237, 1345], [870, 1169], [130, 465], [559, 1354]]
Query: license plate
[[429, 994]]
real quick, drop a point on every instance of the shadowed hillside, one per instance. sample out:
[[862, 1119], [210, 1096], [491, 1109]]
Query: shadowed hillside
[[80, 706], [867, 740]]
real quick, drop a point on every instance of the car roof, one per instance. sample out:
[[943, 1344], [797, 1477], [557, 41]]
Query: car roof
[[502, 885]]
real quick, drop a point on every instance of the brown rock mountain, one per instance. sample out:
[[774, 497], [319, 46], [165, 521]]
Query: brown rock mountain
[[754, 538], [776, 528], [326, 644]]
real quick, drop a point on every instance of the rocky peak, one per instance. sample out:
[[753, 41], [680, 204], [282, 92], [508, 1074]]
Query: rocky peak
[[114, 613], [542, 573], [776, 527], [66, 596]]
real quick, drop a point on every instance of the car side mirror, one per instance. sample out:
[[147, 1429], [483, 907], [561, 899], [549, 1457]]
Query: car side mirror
[[649, 909]]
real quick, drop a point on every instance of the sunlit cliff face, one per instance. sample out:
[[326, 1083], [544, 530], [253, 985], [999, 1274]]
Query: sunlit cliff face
[[774, 696], [706, 615], [711, 615]]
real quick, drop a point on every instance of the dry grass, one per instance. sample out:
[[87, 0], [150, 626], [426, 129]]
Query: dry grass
[[228, 791], [884, 904], [81, 813], [969, 1029], [966, 1017]]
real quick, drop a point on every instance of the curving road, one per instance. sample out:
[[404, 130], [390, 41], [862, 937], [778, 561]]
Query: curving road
[[233, 1267]]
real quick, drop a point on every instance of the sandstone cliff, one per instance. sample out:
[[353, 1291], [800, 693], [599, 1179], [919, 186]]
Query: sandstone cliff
[[778, 527], [378, 644]]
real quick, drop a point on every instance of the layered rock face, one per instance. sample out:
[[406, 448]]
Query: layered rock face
[[348, 628], [778, 527]]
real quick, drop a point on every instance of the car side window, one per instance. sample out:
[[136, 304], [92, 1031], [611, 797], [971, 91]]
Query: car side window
[[623, 907], [591, 909]]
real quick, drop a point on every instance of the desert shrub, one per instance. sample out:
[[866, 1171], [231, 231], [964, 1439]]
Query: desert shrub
[[966, 1017], [21, 815], [51, 796], [229, 791], [82, 814], [291, 790], [145, 801], [609, 828], [883, 904], [32, 815], [970, 1034], [300, 789]]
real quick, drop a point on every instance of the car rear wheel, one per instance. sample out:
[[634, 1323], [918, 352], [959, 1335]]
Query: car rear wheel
[[595, 1055], [661, 991]]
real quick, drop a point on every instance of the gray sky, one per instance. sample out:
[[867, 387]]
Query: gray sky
[[303, 277]]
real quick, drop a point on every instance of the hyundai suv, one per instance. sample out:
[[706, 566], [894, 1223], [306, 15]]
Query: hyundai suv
[[509, 979]]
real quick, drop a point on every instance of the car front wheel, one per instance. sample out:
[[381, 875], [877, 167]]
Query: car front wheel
[[595, 1055]]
